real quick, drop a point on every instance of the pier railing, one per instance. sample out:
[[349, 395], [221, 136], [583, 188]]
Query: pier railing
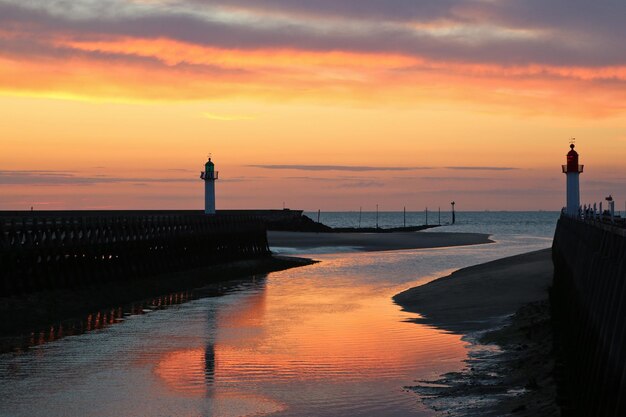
[[53, 250], [592, 215]]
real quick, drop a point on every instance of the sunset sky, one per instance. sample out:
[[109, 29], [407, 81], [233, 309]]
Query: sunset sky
[[326, 104]]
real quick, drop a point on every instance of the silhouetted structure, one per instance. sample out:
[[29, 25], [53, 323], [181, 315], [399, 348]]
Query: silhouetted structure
[[589, 303], [48, 250], [209, 176]]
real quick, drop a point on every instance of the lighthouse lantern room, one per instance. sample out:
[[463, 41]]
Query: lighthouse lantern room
[[209, 175], [572, 171]]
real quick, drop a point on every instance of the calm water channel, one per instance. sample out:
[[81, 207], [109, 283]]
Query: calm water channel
[[322, 340]]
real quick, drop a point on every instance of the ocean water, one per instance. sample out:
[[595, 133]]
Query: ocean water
[[500, 223], [321, 340]]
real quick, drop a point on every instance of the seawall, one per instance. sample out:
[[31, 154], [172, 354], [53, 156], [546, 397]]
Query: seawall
[[589, 308], [53, 250]]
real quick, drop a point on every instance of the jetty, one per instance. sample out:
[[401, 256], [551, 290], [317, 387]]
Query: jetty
[[589, 308], [65, 249]]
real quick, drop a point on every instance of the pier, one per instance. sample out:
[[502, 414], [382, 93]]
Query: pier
[[589, 303], [67, 249]]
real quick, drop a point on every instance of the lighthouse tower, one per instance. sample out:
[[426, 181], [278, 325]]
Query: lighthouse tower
[[209, 175], [572, 171]]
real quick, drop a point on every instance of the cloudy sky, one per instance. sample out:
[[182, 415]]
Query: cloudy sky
[[329, 104]]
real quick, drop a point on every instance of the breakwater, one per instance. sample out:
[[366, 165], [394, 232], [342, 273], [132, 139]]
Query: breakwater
[[589, 303], [67, 249]]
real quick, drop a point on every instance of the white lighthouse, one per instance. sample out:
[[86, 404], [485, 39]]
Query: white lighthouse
[[209, 175], [572, 171]]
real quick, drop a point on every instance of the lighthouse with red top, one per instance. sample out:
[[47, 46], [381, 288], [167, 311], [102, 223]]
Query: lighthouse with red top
[[572, 171]]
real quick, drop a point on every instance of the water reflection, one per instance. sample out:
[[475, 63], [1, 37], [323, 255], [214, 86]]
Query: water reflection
[[193, 371], [323, 340], [104, 318]]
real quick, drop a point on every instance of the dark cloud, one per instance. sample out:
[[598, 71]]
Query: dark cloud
[[320, 179], [162, 197], [35, 47], [584, 20], [360, 184], [558, 32], [343, 181], [353, 168], [516, 192], [470, 168], [239, 179], [616, 183], [467, 179], [574, 16], [395, 10], [53, 178]]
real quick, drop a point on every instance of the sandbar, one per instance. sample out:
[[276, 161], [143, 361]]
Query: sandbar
[[471, 298], [374, 241], [503, 303]]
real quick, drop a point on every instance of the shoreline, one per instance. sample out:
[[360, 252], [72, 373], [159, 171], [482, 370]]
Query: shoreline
[[502, 310], [33, 313]]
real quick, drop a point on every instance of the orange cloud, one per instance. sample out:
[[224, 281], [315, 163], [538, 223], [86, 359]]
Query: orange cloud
[[131, 69], [174, 52]]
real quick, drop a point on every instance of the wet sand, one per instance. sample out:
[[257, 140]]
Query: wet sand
[[477, 297], [503, 303], [374, 241]]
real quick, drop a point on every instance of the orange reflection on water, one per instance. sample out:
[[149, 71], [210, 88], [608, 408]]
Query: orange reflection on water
[[189, 373], [184, 371], [296, 330], [94, 321]]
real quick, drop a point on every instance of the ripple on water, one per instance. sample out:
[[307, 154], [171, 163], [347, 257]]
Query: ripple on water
[[325, 339]]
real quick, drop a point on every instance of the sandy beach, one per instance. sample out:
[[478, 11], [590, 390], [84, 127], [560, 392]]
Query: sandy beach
[[374, 241], [503, 303]]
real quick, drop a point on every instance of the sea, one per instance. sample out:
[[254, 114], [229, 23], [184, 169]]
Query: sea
[[501, 223], [320, 340]]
